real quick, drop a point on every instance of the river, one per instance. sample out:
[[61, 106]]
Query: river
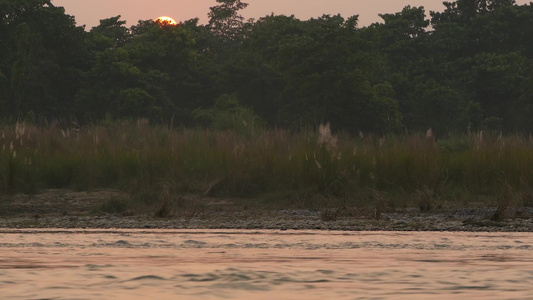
[[263, 264]]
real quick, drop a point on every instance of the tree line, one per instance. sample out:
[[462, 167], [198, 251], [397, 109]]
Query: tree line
[[469, 67]]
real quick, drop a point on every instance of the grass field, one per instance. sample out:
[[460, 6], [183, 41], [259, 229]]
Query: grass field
[[312, 169]]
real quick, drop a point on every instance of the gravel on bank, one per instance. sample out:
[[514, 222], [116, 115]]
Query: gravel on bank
[[457, 220], [68, 209]]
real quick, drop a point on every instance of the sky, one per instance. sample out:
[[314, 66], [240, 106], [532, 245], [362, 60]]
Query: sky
[[90, 13]]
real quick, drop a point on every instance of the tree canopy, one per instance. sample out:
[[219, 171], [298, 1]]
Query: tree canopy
[[467, 67]]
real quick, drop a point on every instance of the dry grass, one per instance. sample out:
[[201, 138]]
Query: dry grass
[[157, 163], [503, 202]]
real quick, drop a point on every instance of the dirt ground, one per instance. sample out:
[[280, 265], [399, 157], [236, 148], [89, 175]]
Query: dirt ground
[[105, 209]]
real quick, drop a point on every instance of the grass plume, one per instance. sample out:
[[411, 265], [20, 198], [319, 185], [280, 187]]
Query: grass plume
[[136, 157]]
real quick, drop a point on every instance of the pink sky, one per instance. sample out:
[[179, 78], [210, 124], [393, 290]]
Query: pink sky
[[90, 12]]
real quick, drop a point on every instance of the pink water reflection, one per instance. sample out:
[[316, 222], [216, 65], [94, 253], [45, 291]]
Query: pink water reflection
[[238, 264]]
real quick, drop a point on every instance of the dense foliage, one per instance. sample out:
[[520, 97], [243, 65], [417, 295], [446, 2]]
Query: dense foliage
[[287, 167], [468, 67]]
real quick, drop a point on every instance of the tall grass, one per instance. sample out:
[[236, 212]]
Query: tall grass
[[135, 157]]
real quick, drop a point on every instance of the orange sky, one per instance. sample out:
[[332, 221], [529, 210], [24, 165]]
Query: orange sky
[[90, 12]]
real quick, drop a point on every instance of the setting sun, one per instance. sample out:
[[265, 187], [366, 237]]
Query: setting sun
[[164, 20]]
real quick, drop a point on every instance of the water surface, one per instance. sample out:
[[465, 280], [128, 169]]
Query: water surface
[[265, 264]]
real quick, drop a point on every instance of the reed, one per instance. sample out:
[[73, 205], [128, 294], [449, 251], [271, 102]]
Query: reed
[[142, 159]]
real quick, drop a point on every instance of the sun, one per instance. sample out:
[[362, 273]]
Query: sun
[[164, 20]]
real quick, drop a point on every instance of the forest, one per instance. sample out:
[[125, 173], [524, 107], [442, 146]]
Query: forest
[[433, 112], [467, 68]]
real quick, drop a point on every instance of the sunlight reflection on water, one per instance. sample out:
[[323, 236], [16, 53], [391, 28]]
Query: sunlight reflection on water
[[265, 264]]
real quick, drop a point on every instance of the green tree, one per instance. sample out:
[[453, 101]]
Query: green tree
[[225, 20], [443, 109], [519, 115], [19, 72], [43, 55], [110, 33], [400, 49], [496, 81], [463, 11], [148, 71], [329, 77], [106, 85], [228, 114]]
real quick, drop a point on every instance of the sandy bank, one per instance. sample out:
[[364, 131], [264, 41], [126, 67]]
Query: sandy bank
[[69, 209]]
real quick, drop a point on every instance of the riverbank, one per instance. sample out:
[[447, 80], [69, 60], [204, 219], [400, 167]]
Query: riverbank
[[71, 209]]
